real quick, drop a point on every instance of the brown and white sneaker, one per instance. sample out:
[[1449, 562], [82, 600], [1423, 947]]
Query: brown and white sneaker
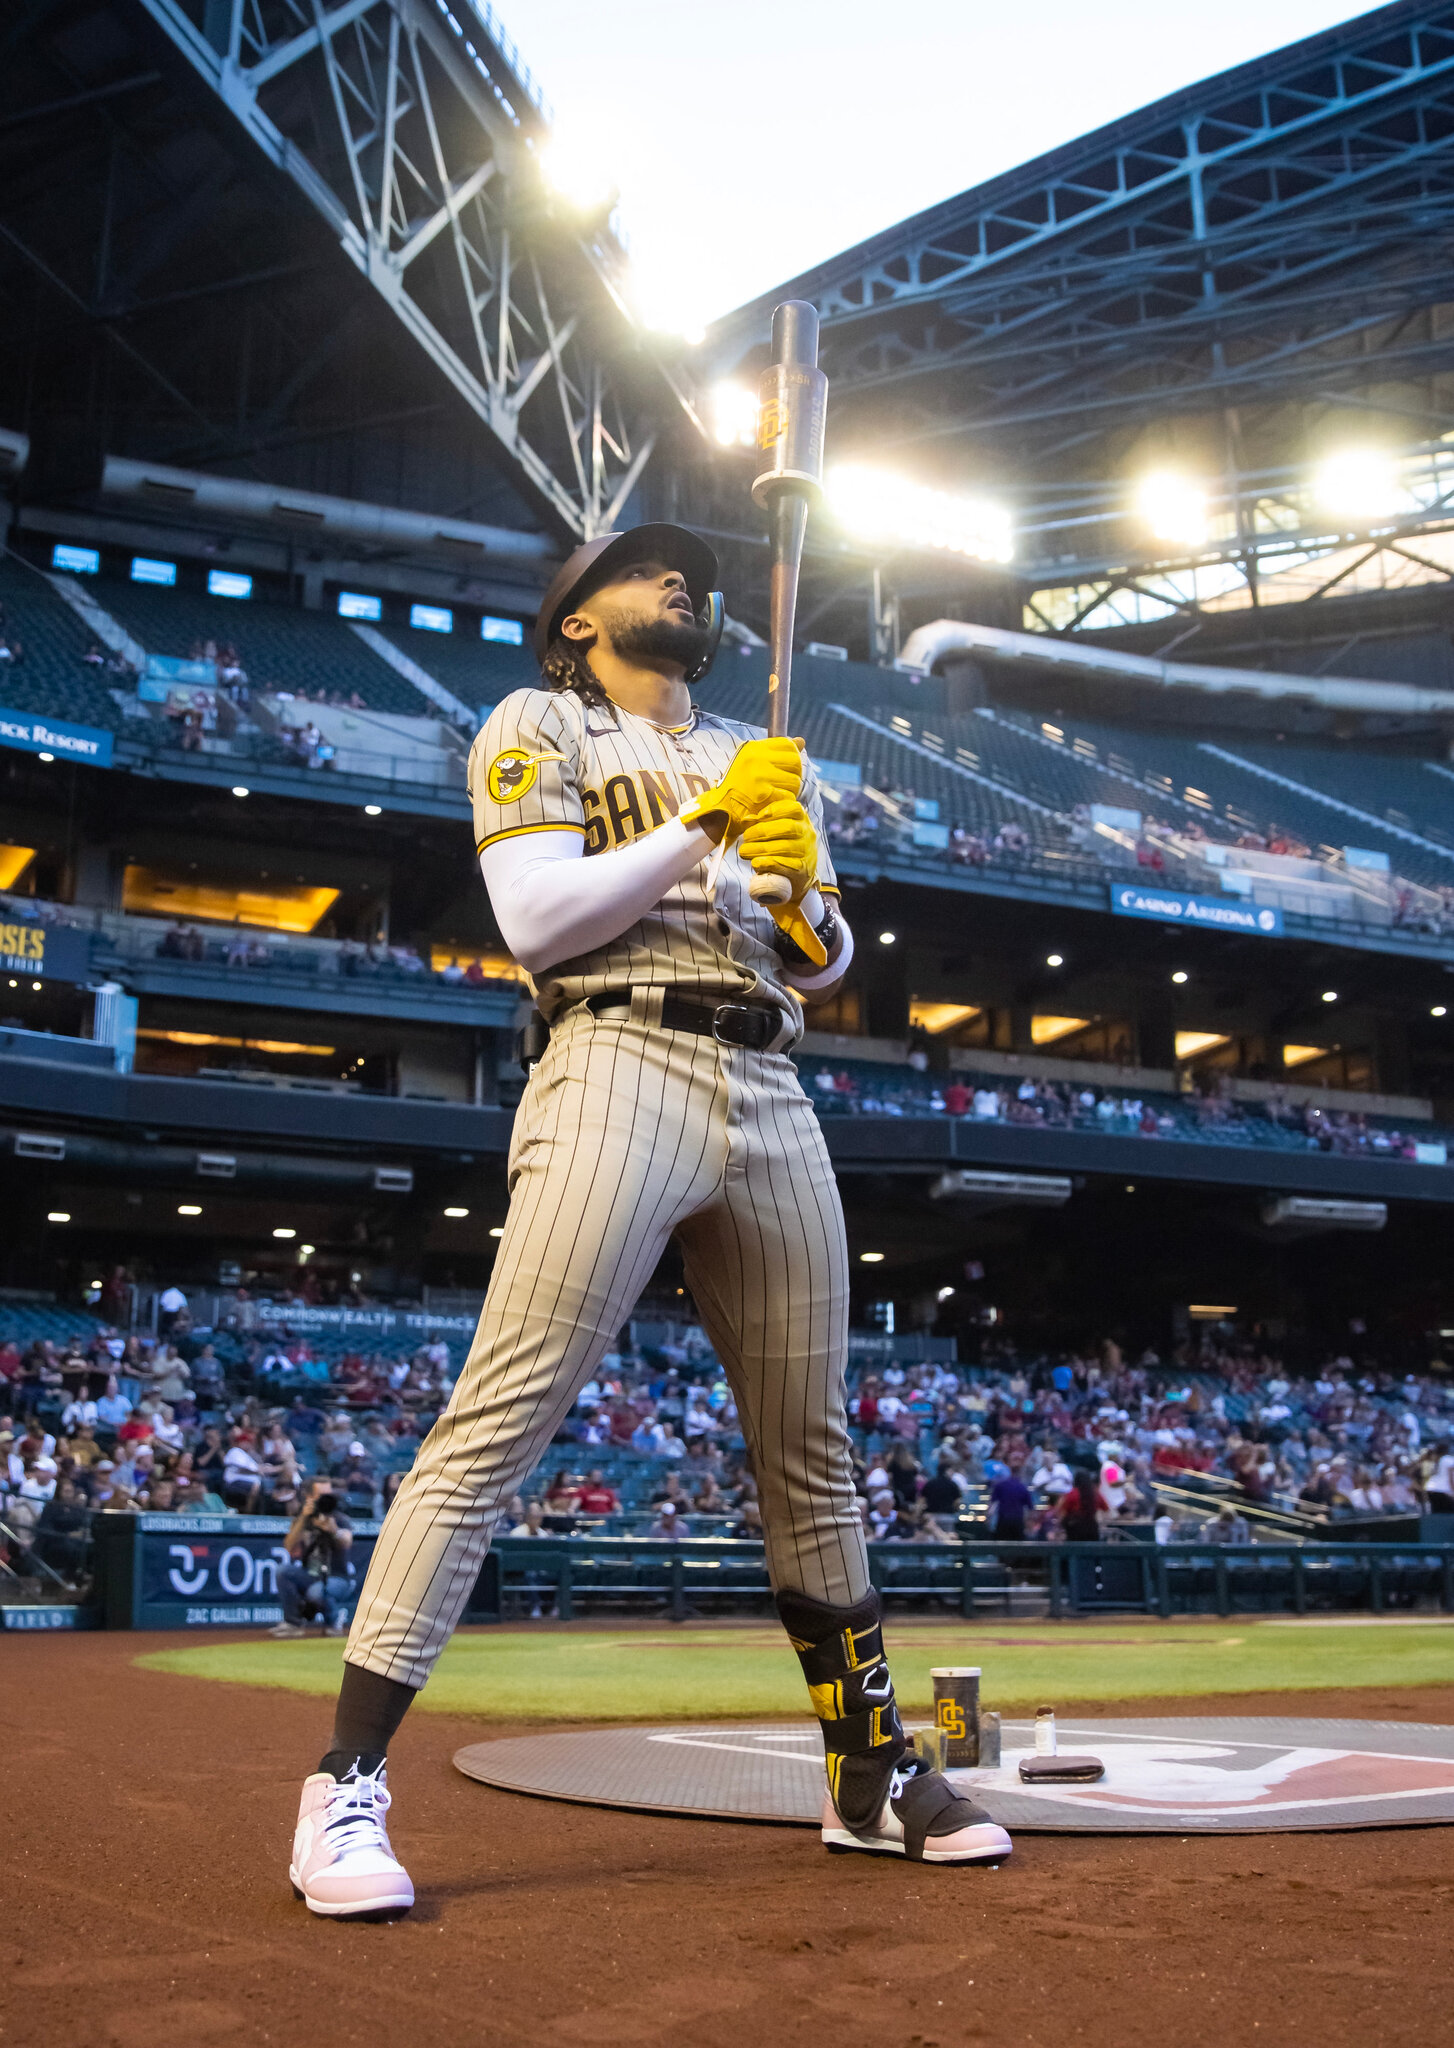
[[343, 1865], [923, 1819]]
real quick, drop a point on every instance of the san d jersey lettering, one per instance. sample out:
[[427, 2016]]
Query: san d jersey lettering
[[546, 762]]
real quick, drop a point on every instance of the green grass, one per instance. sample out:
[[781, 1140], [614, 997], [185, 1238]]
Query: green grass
[[701, 1674]]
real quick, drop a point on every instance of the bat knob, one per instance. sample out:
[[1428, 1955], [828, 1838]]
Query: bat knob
[[770, 889]]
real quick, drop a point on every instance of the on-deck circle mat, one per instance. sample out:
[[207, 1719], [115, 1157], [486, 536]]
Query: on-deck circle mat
[[1203, 1776]]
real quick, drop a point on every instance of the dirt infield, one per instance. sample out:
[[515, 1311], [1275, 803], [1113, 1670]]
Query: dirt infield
[[146, 1825]]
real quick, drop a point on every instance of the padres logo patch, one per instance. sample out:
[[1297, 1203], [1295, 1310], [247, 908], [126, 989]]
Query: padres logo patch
[[513, 773]]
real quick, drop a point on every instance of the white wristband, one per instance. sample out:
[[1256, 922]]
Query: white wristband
[[809, 984]]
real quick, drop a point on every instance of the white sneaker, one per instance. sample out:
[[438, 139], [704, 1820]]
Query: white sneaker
[[920, 1801], [342, 1863], [286, 1631]]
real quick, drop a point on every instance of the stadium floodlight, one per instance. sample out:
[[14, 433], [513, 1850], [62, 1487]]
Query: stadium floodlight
[[58, 1216], [457, 1213], [189, 1208], [575, 173], [1173, 507], [1180, 976], [887, 938], [881, 507], [285, 1233], [1330, 995], [1439, 1010], [870, 1258], [373, 810], [734, 416], [1054, 959], [1358, 484]]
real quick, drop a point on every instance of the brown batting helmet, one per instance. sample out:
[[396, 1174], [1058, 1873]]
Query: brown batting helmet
[[595, 563]]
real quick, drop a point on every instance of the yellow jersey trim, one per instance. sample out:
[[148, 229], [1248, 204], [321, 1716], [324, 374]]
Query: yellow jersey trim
[[515, 831]]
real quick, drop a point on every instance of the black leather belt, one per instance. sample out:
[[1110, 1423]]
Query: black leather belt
[[754, 1025]]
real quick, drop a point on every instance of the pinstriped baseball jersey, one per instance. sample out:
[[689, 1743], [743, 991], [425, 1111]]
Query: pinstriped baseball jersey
[[547, 762]]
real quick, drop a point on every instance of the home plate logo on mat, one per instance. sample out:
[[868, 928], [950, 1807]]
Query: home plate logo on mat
[[1164, 1776], [1181, 1775]]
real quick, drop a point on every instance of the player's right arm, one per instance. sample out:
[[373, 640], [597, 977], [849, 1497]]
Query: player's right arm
[[550, 903]]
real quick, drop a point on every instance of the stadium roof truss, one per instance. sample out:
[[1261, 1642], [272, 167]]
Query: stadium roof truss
[[1273, 240], [411, 130]]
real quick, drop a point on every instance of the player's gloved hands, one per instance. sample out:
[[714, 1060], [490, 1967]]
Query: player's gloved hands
[[781, 840], [759, 771]]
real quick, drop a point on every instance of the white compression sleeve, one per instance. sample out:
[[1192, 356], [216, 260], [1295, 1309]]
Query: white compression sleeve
[[552, 904]]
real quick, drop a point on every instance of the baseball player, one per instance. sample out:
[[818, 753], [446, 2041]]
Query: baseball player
[[619, 829]]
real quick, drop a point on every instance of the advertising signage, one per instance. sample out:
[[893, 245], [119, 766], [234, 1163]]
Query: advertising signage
[[45, 952], [1207, 913], [33, 734], [200, 1571]]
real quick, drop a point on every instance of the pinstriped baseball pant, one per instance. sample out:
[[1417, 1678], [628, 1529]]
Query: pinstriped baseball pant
[[628, 1136]]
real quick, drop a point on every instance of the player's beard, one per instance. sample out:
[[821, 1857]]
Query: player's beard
[[678, 640]]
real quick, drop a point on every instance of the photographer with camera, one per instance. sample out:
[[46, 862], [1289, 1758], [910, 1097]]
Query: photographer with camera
[[320, 1576]]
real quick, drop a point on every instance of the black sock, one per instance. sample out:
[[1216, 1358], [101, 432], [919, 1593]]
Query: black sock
[[369, 1709], [344, 1763]]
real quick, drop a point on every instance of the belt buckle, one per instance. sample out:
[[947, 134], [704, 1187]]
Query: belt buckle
[[754, 1025], [720, 1017]]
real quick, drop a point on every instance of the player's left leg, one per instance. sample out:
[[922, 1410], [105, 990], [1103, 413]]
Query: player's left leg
[[767, 1263]]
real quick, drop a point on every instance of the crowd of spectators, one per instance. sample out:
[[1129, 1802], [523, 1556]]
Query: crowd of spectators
[[1010, 1438], [1060, 1448], [1209, 1112], [164, 1425]]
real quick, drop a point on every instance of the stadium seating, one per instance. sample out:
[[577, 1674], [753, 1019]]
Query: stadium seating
[[52, 677], [282, 646], [478, 672], [879, 1089]]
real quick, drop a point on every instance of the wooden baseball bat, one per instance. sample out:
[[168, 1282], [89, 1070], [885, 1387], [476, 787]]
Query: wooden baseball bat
[[792, 410]]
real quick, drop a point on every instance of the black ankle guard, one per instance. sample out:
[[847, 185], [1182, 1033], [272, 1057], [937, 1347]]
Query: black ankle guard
[[842, 1654]]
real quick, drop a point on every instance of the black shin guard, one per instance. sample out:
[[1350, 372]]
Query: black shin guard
[[842, 1654]]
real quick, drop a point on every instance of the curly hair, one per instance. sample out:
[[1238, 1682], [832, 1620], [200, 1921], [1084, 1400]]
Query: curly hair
[[565, 667]]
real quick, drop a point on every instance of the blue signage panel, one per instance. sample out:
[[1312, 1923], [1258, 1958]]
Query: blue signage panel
[[34, 734], [203, 1571], [45, 952], [1213, 913]]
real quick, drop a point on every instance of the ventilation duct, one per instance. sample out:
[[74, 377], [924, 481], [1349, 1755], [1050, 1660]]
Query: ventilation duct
[[930, 644], [161, 487], [1310, 1216], [986, 1189]]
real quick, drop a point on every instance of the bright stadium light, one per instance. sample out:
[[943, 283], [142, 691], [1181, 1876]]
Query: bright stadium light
[[189, 1208], [1180, 976], [1439, 1011], [574, 172], [1173, 507], [881, 507], [1358, 484], [457, 1213], [285, 1233], [870, 1258], [734, 416]]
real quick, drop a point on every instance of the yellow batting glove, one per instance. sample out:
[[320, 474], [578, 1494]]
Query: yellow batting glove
[[759, 772], [781, 840]]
